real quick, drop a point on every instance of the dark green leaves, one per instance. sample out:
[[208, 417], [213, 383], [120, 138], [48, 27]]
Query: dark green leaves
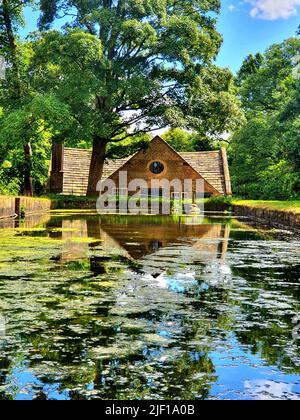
[[265, 153]]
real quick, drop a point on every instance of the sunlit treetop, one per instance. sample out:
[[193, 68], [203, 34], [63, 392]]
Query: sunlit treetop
[[156, 65]]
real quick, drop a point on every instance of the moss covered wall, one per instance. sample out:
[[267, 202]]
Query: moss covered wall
[[7, 207], [32, 205], [12, 206]]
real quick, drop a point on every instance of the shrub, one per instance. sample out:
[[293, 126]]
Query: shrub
[[219, 203], [8, 186]]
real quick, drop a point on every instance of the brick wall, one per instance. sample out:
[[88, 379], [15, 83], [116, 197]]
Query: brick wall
[[70, 168], [175, 166]]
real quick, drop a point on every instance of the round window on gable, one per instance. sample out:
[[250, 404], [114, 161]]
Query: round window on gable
[[157, 168]]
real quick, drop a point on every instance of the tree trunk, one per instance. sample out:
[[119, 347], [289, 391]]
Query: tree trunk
[[17, 89], [97, 164], [28, 188]]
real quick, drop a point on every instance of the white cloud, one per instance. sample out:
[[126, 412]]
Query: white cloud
[[231, 7], [261, 389], [273, 9]]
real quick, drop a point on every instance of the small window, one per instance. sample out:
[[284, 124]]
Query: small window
[[157, 168]]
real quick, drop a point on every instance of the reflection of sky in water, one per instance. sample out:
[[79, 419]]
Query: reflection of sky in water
[[178, 283], [116, 311], [25, 381], [2, 326], [242, 375], [272, 389]]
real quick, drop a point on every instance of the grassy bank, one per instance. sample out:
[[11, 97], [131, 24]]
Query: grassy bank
[[287, 206], [219, 203]]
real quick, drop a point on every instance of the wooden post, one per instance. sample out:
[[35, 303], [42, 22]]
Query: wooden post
[[57, 157], [57, 168], [228, 189], [18, 206]]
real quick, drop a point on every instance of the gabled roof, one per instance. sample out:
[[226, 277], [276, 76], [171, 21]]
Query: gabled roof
[[210, 165], [77, 166]]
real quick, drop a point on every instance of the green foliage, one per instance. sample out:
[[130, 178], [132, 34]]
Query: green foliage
[[116, 70], [22, 125], [185, 141], [278, 180], [219, 203], [128, 146], [265, 152], [142, 64], [250, 66], [18, 124], [221, 199], [8, 185]]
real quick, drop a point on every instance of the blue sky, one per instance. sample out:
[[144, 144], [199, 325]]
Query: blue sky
[[247, 26], [251, 26]]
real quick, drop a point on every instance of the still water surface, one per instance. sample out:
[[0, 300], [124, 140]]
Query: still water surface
[[148, 307]]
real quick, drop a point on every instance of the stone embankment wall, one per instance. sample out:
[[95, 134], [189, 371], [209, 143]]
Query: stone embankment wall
[[276, 218]]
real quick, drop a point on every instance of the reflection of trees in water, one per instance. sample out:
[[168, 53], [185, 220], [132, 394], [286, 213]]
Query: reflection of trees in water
[[268, 326], [74, 320], [98, 326], [189, 375], [78, 340]]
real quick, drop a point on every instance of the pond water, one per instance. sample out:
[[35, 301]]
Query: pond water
[[148, 308]]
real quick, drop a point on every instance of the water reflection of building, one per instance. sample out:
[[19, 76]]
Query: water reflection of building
[[153, 243]]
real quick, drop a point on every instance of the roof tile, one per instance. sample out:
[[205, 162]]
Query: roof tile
[[77, 163]]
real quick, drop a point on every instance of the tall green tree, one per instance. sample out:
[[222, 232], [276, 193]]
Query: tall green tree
[[250, 66], [13, 91], [148, 64], [29, 118], [34, 123], [265, 153]]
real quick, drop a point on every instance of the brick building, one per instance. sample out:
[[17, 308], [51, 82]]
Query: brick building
[[70, 168]]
